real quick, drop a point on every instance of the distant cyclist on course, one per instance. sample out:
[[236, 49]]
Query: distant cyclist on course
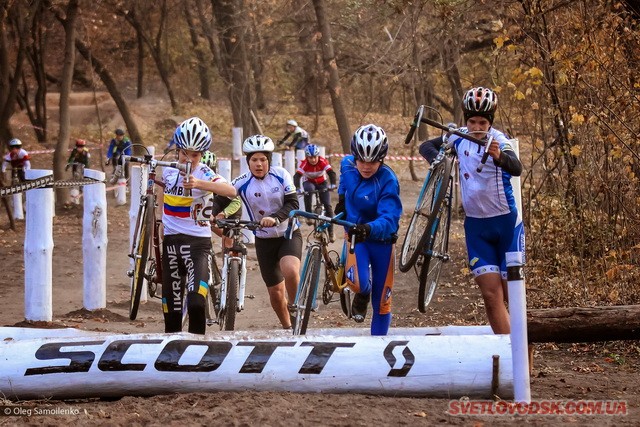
[[299, 136]]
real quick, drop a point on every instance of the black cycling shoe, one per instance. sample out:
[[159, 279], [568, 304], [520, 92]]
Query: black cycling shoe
[[359, 307]]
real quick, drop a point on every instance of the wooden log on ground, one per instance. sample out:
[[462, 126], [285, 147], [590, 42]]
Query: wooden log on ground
[[577, 324]]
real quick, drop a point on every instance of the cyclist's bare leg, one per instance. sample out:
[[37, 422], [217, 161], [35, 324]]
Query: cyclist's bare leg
[[491, 287], [290, 268], [278, 299]]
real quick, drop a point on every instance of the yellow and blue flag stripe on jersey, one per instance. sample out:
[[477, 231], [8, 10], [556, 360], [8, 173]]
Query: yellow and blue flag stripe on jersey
[[177, 206]]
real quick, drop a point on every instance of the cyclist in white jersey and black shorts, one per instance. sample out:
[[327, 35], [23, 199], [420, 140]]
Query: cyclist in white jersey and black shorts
[[269, 195], [492, 223], [186, 247]]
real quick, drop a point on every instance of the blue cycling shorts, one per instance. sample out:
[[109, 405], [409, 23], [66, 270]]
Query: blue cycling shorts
[[489, 239]]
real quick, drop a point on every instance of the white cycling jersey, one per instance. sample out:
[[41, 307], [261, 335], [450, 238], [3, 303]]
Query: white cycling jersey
[[264, 197], [176, 212], [487, 193]]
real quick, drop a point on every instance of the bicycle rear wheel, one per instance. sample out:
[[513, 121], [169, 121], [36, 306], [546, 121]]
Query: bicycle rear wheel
[[416, 235], [435, 253], [228, 318], [141, 249], [306, 295]]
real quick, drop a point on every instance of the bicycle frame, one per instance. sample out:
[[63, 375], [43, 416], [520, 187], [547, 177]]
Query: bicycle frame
[[317, 252], [318, 207]]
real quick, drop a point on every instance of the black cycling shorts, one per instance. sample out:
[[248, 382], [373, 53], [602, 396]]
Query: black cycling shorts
[[270, 252]]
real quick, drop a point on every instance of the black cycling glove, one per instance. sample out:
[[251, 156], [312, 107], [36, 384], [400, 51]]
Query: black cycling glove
[[340, 207], [360, 232]]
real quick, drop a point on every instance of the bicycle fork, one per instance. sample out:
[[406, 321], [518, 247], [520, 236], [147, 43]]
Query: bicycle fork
[[241, 285]]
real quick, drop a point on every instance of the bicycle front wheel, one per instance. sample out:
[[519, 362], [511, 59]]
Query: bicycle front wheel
[[435, 253], [305, 298], [228, 319], [416, 235], [141, 249]]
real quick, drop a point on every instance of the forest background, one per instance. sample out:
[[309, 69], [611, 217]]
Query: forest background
[[566, 73]]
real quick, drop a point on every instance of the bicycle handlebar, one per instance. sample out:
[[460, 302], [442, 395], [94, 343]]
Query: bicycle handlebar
[[451, 130], [149, 160], [231, 223], [324, 190], [334, 220]]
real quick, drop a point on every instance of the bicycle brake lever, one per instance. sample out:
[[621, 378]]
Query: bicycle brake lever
[[485, 156], [187, 192]]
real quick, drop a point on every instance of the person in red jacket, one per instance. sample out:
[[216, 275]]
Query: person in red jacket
[[314, 168]]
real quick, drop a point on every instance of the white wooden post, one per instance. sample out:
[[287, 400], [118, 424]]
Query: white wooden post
[[299, 158], [276, 160], [224, 169], [138, 176], [18, 211], [323, 151], [248, 234], [38, 251], [121, 192], [94, 242], [236, 141], [290, 162], [518, 307]]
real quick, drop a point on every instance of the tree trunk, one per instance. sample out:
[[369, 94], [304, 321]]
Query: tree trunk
[[140, 61], [331, 69], [450, 58], [308, 94], [66, 80], [203, 70], [575, 324], [229, 17], [105, 76], [256, 58]]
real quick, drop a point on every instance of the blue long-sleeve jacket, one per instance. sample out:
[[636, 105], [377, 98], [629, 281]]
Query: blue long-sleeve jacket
[[123, 147], [374, 201]]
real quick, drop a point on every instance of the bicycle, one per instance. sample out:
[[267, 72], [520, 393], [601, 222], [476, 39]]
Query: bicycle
[[145, 247], [426, 242], [317, 253], [228, 297], [318, 207]]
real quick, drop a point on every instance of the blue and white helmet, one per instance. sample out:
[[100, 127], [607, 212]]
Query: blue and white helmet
[[369, 143], [311, 150], [193, 134]]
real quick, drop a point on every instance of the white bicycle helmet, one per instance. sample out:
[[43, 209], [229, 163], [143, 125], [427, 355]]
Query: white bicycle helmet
[[193, 134], [369, 143], [479, 101], [292, 122], [15, 142], [257, 144]]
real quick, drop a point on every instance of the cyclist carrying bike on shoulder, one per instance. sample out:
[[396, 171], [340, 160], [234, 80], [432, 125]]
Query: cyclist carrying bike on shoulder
[[313, 169], [186, 247], [269, 195], [79, 156], [492, 224], [299, 136], [18, 158], [369, 195]]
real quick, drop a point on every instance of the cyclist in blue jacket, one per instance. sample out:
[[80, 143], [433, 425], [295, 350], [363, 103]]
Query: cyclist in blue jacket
[[369, 195], [492, 225]]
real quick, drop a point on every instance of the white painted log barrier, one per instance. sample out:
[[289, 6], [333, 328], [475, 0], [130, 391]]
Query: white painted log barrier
[[96, 365], [518, 308], [94, 242], [38, 251], [224, 169], [18, 211]]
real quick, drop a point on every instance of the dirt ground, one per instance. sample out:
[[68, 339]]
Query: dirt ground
[[601, 371]]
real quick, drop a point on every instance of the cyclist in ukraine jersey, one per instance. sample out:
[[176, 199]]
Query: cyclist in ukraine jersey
[[493, 225], [187, 243], [269, 195]]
